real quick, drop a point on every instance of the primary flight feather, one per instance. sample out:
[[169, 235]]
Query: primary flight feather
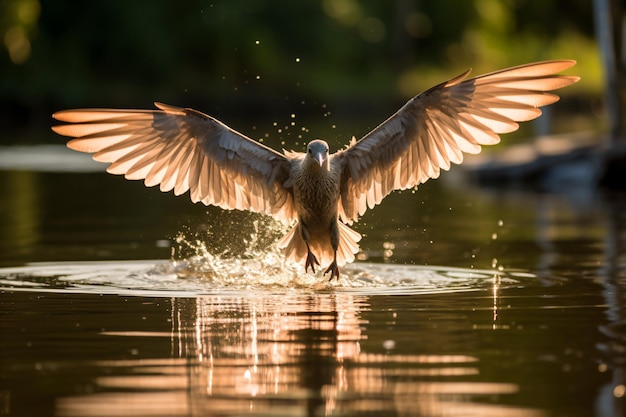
[[186, 150]]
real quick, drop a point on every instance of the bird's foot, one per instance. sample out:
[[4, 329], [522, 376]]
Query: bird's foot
[[311, 261], [334, 271]]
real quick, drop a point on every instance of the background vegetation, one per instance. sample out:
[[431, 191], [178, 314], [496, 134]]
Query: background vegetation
[[255, 59]]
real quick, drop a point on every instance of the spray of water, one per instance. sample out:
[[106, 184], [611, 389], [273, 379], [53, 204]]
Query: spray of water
[[225, 260], [236, 261]]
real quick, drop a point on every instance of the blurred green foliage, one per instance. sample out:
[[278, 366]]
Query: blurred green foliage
[[248, 56]]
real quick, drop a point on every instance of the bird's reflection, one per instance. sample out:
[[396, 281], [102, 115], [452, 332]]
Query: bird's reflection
[[302, 354], [308, 352], [271, 349]]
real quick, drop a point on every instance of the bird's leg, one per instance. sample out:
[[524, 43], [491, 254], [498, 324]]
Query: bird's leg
[[334, 242], [333, 269], [311, 260]]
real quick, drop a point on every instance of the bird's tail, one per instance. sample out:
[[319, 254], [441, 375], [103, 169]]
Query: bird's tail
[[348, 245], [294, 246]]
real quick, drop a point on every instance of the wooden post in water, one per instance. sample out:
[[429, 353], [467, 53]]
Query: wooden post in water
[[604, 35], [610, 27]]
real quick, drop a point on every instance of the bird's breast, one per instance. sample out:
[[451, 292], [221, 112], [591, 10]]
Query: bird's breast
[[316, 193]]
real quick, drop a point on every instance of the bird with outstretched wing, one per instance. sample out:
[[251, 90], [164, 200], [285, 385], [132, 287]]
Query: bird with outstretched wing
[[185, 150]]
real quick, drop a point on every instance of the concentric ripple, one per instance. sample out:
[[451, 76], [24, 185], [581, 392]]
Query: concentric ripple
[[209, 275]]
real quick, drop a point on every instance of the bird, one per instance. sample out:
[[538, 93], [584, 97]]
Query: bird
[[318, 193]]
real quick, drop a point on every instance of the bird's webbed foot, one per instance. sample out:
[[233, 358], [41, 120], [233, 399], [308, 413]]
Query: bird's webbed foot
[[333, 269], [311, 261]]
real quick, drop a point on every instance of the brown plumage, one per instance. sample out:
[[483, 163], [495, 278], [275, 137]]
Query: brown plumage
[[185, 150]]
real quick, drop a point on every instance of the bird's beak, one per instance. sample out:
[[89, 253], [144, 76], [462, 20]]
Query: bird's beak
[[320, 158]]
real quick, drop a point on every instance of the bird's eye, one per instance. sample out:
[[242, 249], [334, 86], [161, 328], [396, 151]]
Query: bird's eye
[[310, 151]]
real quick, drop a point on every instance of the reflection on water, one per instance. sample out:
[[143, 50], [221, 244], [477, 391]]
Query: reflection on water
[[612, 276], [303, 356], [275, 349], [430, 342], [279, 350], [526, 318], [22, 209], [289, 354]]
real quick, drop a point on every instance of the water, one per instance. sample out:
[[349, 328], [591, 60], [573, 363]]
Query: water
[[119, 300]]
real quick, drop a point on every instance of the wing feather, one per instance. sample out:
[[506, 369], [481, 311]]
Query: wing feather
[[184, 150], [433, 130]]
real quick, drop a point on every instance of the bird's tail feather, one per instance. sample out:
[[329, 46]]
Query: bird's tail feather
[[348, 245], [295, 251], [293, 245]]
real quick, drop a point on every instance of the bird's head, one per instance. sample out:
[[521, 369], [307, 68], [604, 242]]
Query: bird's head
[[317, 150]]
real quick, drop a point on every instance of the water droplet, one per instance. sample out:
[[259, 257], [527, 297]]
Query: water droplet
[[362, 256], [389, 344], [162, 243]]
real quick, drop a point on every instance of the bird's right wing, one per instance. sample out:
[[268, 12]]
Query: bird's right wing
[[183, 149], [436, 127]]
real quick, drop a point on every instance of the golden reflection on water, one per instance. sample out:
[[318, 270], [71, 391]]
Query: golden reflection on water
[[287, 354], [20, 214]]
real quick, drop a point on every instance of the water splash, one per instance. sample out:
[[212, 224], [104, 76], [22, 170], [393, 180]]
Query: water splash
[[252, 262], [207, 263], [214, 275]]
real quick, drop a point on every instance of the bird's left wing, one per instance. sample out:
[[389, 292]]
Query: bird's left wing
[[433, 129], [183, 149]]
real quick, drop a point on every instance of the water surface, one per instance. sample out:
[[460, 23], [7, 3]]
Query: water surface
[[120, 300]]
